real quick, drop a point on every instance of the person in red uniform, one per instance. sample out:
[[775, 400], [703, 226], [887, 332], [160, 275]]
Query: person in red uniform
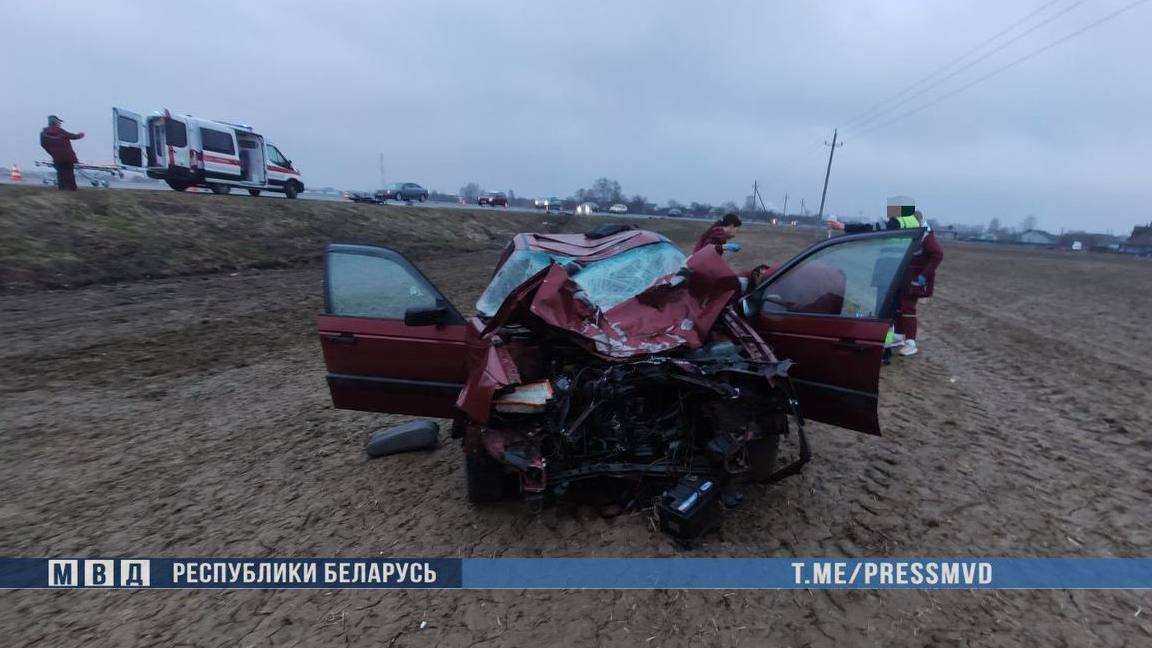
[[58, 143], [720, 234]]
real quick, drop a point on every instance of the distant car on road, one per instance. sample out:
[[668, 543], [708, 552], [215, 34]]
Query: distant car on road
[[618, 208], [493, 199], [406, 191], [356, 196], [549, 204], [587, 208], [675, 213]]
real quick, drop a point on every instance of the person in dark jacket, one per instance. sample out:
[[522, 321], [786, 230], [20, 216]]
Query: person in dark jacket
[[58, 143], [720, 234]]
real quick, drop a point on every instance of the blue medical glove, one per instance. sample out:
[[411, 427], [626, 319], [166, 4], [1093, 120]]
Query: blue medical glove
[[921, 281], [732, 247]]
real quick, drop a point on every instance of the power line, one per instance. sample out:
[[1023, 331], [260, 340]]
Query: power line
[[970, 64], [1002, 68], [906, 89]]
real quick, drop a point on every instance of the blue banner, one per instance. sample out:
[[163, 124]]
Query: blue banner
[[578, 573]]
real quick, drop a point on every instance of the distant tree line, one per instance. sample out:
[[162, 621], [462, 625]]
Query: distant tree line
[[606, 192]]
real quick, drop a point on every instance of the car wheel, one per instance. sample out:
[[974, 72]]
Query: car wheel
[[220, 189], [290, 190], [253, 192], [176, 185], [422, 197], [484, 477]]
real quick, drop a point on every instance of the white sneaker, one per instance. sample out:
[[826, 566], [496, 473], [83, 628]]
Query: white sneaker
[[909, 348]]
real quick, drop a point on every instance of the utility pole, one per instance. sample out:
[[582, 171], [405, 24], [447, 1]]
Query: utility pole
[[784, 214], [831, 152], [383, 185], [757, 197]]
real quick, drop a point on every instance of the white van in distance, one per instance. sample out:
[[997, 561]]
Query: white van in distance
[[187, 151]]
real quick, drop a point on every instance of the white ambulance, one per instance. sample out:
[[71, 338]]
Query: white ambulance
[[187, 151]]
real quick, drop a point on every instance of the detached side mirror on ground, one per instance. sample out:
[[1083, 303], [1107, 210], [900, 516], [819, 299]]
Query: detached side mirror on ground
[[425, 316], [413, 435]]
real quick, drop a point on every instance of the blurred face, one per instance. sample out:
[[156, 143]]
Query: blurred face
[[730, 230]]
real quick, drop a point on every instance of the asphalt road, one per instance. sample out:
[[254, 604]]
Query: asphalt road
[[241, 194]]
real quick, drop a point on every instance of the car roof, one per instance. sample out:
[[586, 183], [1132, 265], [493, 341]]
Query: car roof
[[580, 247]]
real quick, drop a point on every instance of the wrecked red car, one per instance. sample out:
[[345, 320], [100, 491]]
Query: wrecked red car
[[611, 363]]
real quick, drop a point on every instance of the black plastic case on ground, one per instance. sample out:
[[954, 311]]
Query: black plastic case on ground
[[690, 509]]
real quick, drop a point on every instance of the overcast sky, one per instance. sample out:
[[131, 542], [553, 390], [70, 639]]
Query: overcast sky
[[680, 100]]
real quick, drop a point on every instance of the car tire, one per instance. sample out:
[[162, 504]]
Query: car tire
[[484, 478], [253, 192], [291, 190], [176, 185], [422, 197], [220, 189]]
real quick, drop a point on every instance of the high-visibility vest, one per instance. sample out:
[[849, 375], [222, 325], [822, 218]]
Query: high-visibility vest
[[908, 222]]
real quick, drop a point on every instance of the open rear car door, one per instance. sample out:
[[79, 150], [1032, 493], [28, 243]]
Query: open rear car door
[[828, 310], [128, 130], [391, 342]]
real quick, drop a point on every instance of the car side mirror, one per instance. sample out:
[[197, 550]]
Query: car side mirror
[[425, 316], [773, 302]]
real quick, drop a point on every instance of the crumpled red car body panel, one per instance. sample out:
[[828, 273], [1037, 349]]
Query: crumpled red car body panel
[[678, 310]]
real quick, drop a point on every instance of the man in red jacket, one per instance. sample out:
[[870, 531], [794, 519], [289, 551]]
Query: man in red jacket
[[720, 234], [58, 143]]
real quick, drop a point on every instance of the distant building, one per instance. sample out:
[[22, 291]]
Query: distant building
[[1140, 242], [1037, 237], [946, 233], [1089, 241]]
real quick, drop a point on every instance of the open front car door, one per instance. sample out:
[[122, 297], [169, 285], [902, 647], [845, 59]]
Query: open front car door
[[391, 342], [828, 310]]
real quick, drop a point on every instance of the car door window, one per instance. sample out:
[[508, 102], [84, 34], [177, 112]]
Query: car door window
[[377, 283], [217, 141], [127, 129], [175, 133], [276, 157], [853, 279]]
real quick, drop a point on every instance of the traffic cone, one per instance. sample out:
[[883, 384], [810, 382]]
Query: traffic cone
[[14, 175]]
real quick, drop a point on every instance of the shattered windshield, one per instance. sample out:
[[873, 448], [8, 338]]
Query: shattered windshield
[[607, 282]]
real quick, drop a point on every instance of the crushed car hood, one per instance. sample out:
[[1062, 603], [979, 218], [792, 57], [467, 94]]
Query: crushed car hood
[[677, 311]]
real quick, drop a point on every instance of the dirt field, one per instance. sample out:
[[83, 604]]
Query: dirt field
[[188, 417]]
